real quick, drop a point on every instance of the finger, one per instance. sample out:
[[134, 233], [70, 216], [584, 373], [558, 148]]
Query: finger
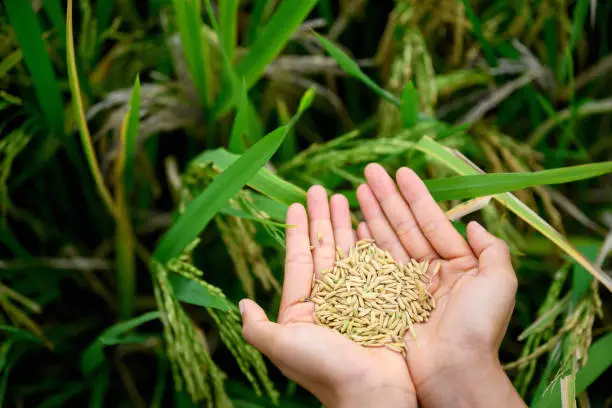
[[298, 261], [493, 253], [341, 222], [378, 224], [257, 330], [438, 230], [363, 232], [321, 232], [398, 213]]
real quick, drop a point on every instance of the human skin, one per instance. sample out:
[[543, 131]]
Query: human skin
[[454, 359], [339, 372]]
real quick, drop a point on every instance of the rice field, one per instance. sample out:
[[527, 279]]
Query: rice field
[[149, 151]]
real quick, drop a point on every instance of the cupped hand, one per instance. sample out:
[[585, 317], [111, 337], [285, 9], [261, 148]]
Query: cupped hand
[[474, 290], [336, 370]]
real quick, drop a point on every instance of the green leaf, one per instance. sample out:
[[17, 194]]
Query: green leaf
[[93, 355], [463, 187], [190, 291], [477, 29], [56, 15], [263, 181], [24, 22], [273, 38], [454, 161], [77, 103], [598, 361], [228, 20], [9, 62], [131, 136], [194, 49], [19, 333], [581, 279], [410, 106], [240, 126], [350, 67], [204, 207]]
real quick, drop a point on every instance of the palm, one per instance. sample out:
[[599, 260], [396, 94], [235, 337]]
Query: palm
[[470, 308], [343, 361], [320, 359]]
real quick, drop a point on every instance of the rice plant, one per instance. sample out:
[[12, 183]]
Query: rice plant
[[149, 152]]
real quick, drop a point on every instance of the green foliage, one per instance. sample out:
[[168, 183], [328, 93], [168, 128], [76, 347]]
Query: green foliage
[[187, 112]]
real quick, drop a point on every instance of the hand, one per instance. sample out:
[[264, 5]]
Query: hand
[[336, 370], [454, 360]]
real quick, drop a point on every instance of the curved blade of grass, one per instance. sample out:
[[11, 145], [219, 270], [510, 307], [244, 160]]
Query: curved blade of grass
[[457, 162], [25, 24], [598, 361], [124, 174], [192, 292], [93, 355], [228, 19], [79, 111], [194, 49], [240, 126], [263, 181], [131, 137], [350, 67], [53, 9], [463, 187], [273, 38], [204, 207], [230, 94], [410, 106], [9, 62], [585, 109]]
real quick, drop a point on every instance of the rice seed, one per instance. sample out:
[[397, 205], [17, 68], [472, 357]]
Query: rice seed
[[370, 298]]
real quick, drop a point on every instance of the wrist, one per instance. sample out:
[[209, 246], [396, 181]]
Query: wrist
[[468, 380], [381, 395]]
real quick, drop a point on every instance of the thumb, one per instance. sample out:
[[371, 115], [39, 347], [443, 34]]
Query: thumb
[[493, 253], [257, 330]]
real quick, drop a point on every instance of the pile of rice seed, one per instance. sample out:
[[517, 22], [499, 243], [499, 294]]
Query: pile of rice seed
[[371, 298]]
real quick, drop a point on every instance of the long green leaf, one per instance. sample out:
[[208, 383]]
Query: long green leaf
[[79, 110], [192, 292], [410, 106], [228, 21], [204, 207], [273, 38], [133, 123], [124, 176], [351, 68], [9, 62], [477, 29], [454, 161], [93, 355], [240, 126], [25, 24], [53, 9], [598, 361], [263, 181], [234, 93], [194, 49], [463, 187]]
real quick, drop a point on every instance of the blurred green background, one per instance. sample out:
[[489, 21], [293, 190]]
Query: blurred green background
[[149, 151]]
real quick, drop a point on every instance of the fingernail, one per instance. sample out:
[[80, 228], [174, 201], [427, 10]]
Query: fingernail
[[477, 226], [241, 306]]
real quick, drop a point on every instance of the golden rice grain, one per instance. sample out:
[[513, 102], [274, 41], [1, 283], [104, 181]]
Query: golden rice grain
[[371, 298]]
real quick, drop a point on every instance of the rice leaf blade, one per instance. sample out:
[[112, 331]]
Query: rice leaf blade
[[273, 38], [27, 30], [454, 161], [204, 207]]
